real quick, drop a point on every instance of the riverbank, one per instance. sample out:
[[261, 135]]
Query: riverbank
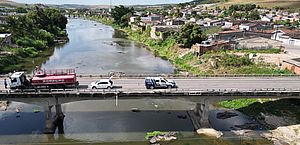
[[33, 37], [281, 117], [186, 62]]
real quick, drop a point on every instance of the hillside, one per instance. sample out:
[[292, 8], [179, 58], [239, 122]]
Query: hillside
[[7, 3], [289, 4]]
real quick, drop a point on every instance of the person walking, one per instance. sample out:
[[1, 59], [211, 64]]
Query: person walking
[[5, 83]]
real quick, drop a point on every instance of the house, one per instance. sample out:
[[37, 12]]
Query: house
[[192, 20], [287, 36], [157, 32], [266, 18], [151, 20], [6, 38], [132, 19], [2, 20], [247, 26], [227, 25], [212, 45], [174, 22]]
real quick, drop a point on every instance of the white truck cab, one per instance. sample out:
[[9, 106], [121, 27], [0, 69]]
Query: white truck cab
[[17, 80]]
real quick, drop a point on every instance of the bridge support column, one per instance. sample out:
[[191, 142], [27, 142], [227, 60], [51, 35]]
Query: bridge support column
[[59, 119], [49, 128], [199, 116]]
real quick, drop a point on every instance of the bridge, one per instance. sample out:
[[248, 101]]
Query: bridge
[[202, 90], [221, 88]]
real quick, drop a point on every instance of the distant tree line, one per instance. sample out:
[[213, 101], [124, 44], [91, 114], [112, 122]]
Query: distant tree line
[[38, 28], [244, 11]]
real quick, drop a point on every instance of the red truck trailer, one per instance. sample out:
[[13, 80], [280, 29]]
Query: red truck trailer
[[54, 78]]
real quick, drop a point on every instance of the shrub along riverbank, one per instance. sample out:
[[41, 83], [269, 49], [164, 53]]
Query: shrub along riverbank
[[33, 36], [272, 113], [210, 63]]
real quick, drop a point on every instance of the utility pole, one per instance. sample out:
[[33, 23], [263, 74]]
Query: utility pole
[[110, 5]]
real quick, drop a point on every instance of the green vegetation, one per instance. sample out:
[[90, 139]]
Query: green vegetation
[[292, 5], [212, 30], [217, 62], [190, 34], [154, 133], [240, 103], [34, 34], [121, 15], [255, 51], [247, 11]]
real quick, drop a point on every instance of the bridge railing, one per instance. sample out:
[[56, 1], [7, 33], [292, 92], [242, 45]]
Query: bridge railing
[[186, 75], [178, 75], [176, 90]]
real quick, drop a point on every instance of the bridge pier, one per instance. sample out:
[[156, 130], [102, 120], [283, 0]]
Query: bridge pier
[[199, 116], [54, 122], [49, 127], [59, 119]]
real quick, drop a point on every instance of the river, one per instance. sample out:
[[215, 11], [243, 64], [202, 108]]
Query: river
[[94, 48], [98, 49]]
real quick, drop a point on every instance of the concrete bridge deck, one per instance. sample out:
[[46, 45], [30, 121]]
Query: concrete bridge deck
[[228, 83], [233, 86]]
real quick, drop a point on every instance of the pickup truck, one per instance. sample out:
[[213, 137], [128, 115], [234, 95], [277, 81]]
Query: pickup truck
[[159, 82]]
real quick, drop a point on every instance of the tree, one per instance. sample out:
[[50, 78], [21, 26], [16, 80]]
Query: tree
[[121, 14], [21, 10], [190, 34]]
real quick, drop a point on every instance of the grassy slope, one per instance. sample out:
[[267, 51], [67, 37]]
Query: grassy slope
[[265, 3], [7, 3]]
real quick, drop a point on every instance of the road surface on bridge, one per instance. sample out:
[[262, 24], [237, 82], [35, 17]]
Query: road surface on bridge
[[207, 83]]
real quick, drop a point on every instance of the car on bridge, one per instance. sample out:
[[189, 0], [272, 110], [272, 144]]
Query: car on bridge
[[102, 84], [159, 82]]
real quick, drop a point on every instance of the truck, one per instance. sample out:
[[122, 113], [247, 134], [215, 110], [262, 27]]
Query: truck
[[159, 82], [58, 78]]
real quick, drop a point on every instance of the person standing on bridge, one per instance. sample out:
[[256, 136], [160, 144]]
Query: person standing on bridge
[[5, 83], [111, 82]]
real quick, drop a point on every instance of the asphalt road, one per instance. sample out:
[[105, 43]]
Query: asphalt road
[[206, 83], [210, 83]]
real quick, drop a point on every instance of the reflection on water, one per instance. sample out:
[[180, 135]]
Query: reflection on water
[[25, 122], [96, 121], [99, 49]]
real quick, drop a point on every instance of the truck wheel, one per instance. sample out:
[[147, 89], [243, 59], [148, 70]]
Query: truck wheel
[[109, 87], [169, 87], [94, 87], [151, 87]]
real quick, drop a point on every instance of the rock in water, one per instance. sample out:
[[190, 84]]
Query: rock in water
[[209, 132]]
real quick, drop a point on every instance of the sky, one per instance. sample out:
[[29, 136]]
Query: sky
[[102, 2]]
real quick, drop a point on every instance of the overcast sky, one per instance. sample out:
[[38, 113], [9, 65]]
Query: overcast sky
[[102, 2]]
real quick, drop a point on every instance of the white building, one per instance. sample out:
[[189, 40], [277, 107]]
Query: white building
[[287, 37]]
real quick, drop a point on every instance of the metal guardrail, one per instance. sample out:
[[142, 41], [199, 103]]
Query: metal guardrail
[[187, 76], [179, 75]]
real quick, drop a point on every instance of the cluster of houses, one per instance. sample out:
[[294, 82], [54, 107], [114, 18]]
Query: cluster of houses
[[5, 38], [232, 30], [235, 33]]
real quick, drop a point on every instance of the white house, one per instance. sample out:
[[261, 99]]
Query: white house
[[266, 18], [288, 37], [132, 19], [227, 25], [6, 38], [247, 26]]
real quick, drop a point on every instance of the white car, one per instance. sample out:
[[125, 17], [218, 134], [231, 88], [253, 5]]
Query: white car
[[101, 84]]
